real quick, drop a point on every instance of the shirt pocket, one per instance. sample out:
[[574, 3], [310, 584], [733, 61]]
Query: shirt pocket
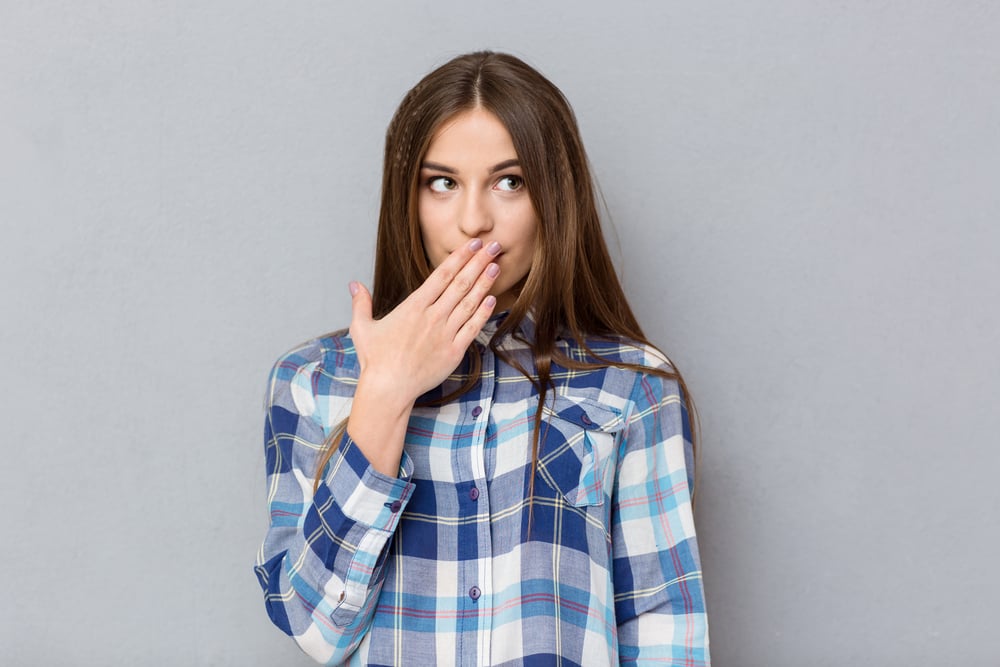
[[577, 446]]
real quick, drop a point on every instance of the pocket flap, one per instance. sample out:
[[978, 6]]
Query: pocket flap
[[586, 412]]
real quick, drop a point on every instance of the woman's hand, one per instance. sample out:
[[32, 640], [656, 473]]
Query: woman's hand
[[415, 347]]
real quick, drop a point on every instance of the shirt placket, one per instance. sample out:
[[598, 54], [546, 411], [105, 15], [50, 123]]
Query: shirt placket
[[479, 496]]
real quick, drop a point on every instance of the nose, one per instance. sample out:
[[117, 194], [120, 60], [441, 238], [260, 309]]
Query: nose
[[475, 216]]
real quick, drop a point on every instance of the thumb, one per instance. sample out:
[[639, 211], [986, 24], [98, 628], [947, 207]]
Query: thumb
[[361, 303]]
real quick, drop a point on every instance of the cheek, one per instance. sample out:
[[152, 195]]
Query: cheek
[[526, 225], [430, 234], [521, 255]]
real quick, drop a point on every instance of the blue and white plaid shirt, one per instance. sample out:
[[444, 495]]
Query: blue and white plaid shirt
[[436, 567]]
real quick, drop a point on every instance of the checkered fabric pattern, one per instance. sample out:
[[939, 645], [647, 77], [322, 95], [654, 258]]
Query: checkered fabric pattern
[[437, 566]]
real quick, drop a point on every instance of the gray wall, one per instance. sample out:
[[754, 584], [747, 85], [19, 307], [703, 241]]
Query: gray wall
[[806, 195]]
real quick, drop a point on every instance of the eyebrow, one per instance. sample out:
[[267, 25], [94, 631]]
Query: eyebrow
[[500, 166]]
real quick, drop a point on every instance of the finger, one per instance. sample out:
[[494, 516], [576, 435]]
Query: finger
[[361, 304], [445, 273], [475, 324], [467, 279], [469, 304]]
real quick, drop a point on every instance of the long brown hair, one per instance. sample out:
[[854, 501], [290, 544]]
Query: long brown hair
[[572, 285]]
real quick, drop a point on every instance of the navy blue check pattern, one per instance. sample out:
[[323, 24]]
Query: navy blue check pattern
[[439, 566]]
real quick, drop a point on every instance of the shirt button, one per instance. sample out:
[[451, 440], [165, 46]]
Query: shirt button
[[586, 420], [476, 411], [474, 592], [474, 493], [394, 507]]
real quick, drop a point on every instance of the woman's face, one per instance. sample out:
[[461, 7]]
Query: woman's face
[[471, 186]]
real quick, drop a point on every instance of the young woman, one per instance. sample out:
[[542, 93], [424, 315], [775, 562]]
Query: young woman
[[493, 466]]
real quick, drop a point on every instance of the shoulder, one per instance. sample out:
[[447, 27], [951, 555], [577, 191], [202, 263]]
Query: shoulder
[[618, 372], [649, 375], [331, 352], [323, 366], [624, 350]]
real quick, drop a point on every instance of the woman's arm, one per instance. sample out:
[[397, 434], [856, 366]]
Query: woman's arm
[[659, 594], [321, 562]]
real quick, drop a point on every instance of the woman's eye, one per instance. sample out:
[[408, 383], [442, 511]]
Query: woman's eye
[[441, 184], [510, 183]]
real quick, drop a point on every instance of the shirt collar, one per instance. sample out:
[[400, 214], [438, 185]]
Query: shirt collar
[[525, 330]]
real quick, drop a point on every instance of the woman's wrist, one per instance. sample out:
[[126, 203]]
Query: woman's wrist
[[388, 390], [380, 414]]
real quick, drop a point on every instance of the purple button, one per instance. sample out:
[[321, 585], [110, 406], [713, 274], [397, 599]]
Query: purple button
[[476, 411], [474, 592], [474, 493], [586, 420], [394, 507]]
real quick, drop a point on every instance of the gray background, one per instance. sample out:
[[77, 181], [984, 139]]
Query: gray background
[[806, 195]]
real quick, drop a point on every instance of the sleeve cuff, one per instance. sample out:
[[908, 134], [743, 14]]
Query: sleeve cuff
[[364, 494]]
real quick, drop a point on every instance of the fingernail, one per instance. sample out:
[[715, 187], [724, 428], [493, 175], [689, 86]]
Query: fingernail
[[493, 249], [490, 301], [353, 288], [492, 270], [475, 244]]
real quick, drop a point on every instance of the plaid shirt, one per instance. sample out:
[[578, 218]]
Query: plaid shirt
[[437, 567]]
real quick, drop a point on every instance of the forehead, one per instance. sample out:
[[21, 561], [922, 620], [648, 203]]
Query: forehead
[[471, 134]]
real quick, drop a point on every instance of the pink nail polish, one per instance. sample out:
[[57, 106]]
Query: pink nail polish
[[490, 301], [493, 249], [352, 288], [492, 270], [475, 244]]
